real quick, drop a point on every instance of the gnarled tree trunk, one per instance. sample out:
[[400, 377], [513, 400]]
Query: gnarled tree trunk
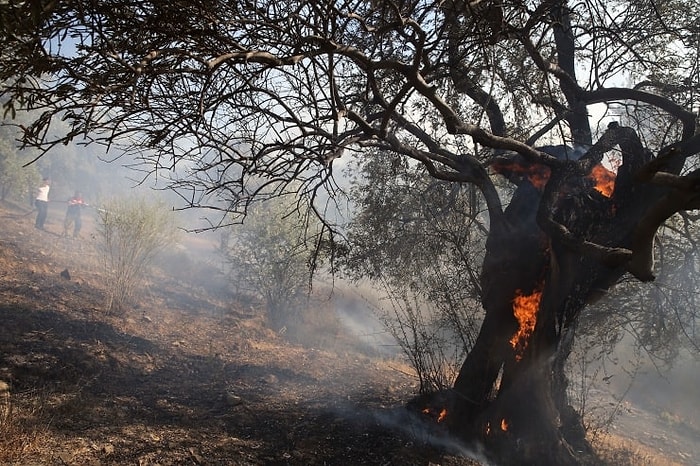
[[511, 391]]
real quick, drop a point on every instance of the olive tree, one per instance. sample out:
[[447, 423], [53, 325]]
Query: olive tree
[[245, 90]]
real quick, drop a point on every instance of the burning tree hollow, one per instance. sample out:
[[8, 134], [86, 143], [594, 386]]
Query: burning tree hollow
[[568, 232], [525, 309], [604, 180]]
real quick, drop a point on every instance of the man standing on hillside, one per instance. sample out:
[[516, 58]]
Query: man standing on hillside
[[42, 203], [75, 204]]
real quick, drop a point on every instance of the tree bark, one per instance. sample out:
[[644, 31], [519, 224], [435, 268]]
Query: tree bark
[[513, 400], [515, 414]]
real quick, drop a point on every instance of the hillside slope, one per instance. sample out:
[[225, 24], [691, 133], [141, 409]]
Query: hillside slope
[[190, 376], [185, 377]]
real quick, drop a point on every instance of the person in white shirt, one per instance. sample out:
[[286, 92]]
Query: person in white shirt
[[42, 203]]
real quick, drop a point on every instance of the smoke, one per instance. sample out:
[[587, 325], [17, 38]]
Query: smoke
[[673, 392], [355, 309], [409, 423], [630, 395]]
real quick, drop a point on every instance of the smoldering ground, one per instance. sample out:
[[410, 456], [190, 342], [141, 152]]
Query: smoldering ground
[[189, 373], [184, 376]]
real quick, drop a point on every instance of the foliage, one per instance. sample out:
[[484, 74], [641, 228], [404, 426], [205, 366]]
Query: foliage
[[424, 80], [130, 233], [269, 256], [412, 236], [16, 180]]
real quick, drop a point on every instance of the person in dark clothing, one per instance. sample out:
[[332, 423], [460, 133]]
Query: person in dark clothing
[[75, 204], [42, 203]]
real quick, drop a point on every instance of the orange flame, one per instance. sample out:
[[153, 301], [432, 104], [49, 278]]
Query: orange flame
[[604, 180], [525, 309], [537, 174], [440, 417], [504, 425]]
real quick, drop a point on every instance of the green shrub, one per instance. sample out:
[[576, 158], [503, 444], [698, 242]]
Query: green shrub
[[130, 233]]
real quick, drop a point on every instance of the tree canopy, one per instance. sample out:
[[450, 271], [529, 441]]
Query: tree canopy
[[279, 91]]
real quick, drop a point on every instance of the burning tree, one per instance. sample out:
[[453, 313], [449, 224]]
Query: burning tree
[[252, 98]]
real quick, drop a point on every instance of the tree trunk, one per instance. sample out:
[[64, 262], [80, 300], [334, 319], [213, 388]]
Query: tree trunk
[[510, 394], [503, 392], [513, 398]]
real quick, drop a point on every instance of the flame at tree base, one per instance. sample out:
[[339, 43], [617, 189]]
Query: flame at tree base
[[440, 416], [504, 427]]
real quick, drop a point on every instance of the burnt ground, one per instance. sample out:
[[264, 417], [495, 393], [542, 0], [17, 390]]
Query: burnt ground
[[186, 376], [190, 375]]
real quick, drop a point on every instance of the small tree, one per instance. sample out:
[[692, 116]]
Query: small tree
[[269, 256], [130, 233]]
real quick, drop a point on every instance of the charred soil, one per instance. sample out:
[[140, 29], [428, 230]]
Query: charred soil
[[188, 376]]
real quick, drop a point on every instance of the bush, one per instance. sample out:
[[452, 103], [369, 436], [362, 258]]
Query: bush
[[16, 180], [269, 256], [130, 233]]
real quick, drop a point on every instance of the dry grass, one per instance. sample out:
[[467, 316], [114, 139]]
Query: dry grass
[[615, 450], [22, 424]]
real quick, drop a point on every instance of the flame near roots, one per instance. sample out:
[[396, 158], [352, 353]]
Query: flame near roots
[[440, 417], [525, 309], [604, 180], [504, 425]]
